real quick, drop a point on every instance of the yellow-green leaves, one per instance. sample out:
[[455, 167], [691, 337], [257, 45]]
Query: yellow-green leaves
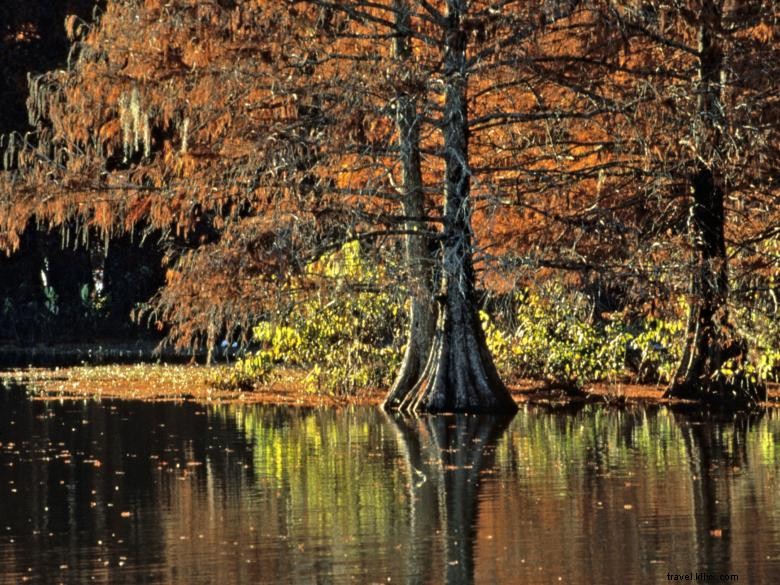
[[347, 342]]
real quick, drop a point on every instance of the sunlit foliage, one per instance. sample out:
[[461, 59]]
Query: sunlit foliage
[[347, 343]]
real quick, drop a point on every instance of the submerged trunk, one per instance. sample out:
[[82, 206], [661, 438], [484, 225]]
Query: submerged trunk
[[711, 339], [422, 312], [459, 375]]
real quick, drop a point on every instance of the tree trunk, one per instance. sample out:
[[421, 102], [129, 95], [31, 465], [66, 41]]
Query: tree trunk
[[422, 311], [460, 375], [711, 339]]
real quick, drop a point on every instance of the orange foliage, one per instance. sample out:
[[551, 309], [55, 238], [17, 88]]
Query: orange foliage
[[272, 125]]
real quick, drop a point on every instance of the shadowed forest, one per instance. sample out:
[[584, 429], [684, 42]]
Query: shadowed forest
[[438, 197]]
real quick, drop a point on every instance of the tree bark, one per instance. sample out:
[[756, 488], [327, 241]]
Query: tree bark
[[460, 375], [423, 309], [711, 339]]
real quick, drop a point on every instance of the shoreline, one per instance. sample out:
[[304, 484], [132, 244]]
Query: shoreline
[[189, 383]]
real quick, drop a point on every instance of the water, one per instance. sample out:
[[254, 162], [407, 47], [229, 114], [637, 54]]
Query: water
[[128, 492]]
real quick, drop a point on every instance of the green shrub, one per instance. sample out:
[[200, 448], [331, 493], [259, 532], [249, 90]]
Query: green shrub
[[246, 374], [658, 346], [762, 330], [352, 337], [348, 339], [554, 340]]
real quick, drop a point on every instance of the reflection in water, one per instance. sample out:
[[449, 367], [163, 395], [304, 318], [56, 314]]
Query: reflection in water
[[184, 494], [716, 455], [446, 457], [623, 496]]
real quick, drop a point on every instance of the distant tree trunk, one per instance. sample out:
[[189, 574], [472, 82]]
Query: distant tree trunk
[[711, 339], [460, 375], [423, 310]]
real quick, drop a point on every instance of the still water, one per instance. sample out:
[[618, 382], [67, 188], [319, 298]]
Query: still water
[[158, 493]]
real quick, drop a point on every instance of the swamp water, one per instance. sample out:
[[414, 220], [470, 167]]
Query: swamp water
[[127, 492]]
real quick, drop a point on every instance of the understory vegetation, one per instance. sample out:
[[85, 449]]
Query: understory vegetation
[[346, 342], [552, 333]]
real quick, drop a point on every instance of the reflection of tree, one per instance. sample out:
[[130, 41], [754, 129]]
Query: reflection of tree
[[446, 457], [715, 451]]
